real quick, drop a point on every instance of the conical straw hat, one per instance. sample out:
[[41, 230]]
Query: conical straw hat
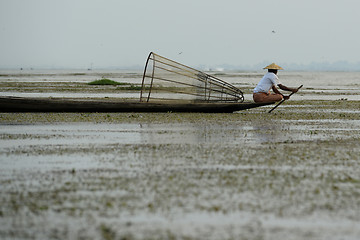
[[273, 66]]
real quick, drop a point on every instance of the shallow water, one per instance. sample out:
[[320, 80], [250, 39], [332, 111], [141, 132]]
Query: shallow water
[[292, 174], [55, 83], [208, 180]]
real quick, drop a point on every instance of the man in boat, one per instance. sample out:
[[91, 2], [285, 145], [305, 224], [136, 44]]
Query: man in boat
[[269, 81]]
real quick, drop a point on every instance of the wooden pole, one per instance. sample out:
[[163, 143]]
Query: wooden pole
[[283, 100]]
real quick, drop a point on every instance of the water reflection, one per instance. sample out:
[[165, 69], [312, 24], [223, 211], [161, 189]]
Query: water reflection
[[266, 132], [206, 133]]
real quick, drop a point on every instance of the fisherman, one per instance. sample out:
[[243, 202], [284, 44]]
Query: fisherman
[[269, 81]]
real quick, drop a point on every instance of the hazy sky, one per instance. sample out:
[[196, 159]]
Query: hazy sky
[[121, 33]]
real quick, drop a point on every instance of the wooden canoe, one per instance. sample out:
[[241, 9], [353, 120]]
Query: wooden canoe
[[20, 104]]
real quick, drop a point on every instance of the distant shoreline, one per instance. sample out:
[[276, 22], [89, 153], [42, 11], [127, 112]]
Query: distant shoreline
[[338, 66]]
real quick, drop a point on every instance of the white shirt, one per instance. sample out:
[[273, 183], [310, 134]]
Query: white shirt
[[266, 83]]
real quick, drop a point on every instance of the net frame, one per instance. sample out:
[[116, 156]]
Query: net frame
[[162, 75]]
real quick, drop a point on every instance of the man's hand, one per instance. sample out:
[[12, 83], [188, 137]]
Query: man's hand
[[286, 97]]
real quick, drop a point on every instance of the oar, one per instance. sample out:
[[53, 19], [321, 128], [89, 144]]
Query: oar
[[283, 100]]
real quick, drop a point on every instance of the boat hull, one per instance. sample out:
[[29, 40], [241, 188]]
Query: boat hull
[[18, 104]]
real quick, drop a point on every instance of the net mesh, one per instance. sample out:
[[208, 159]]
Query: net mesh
[[165, 79]]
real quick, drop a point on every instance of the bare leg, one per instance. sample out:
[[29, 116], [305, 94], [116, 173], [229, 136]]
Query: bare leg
[[263, 97]]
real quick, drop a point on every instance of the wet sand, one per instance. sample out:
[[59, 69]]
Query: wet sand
[[292, 174]]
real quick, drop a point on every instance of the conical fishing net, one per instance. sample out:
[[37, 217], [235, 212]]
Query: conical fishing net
[[165, 79]]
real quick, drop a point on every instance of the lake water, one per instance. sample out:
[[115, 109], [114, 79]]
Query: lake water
[[317, 85], [292, 174]]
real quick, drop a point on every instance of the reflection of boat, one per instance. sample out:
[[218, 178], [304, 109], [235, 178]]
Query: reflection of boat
[[18, 104], [167, 86]]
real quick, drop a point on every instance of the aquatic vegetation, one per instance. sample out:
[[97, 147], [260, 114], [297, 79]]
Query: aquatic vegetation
[[244, 175], [105, 81]]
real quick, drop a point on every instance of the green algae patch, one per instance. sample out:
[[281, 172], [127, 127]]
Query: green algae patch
[[105, 81]]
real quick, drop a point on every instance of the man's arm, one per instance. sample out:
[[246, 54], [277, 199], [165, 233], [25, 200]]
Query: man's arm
[[285, 88], [276, 90]]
